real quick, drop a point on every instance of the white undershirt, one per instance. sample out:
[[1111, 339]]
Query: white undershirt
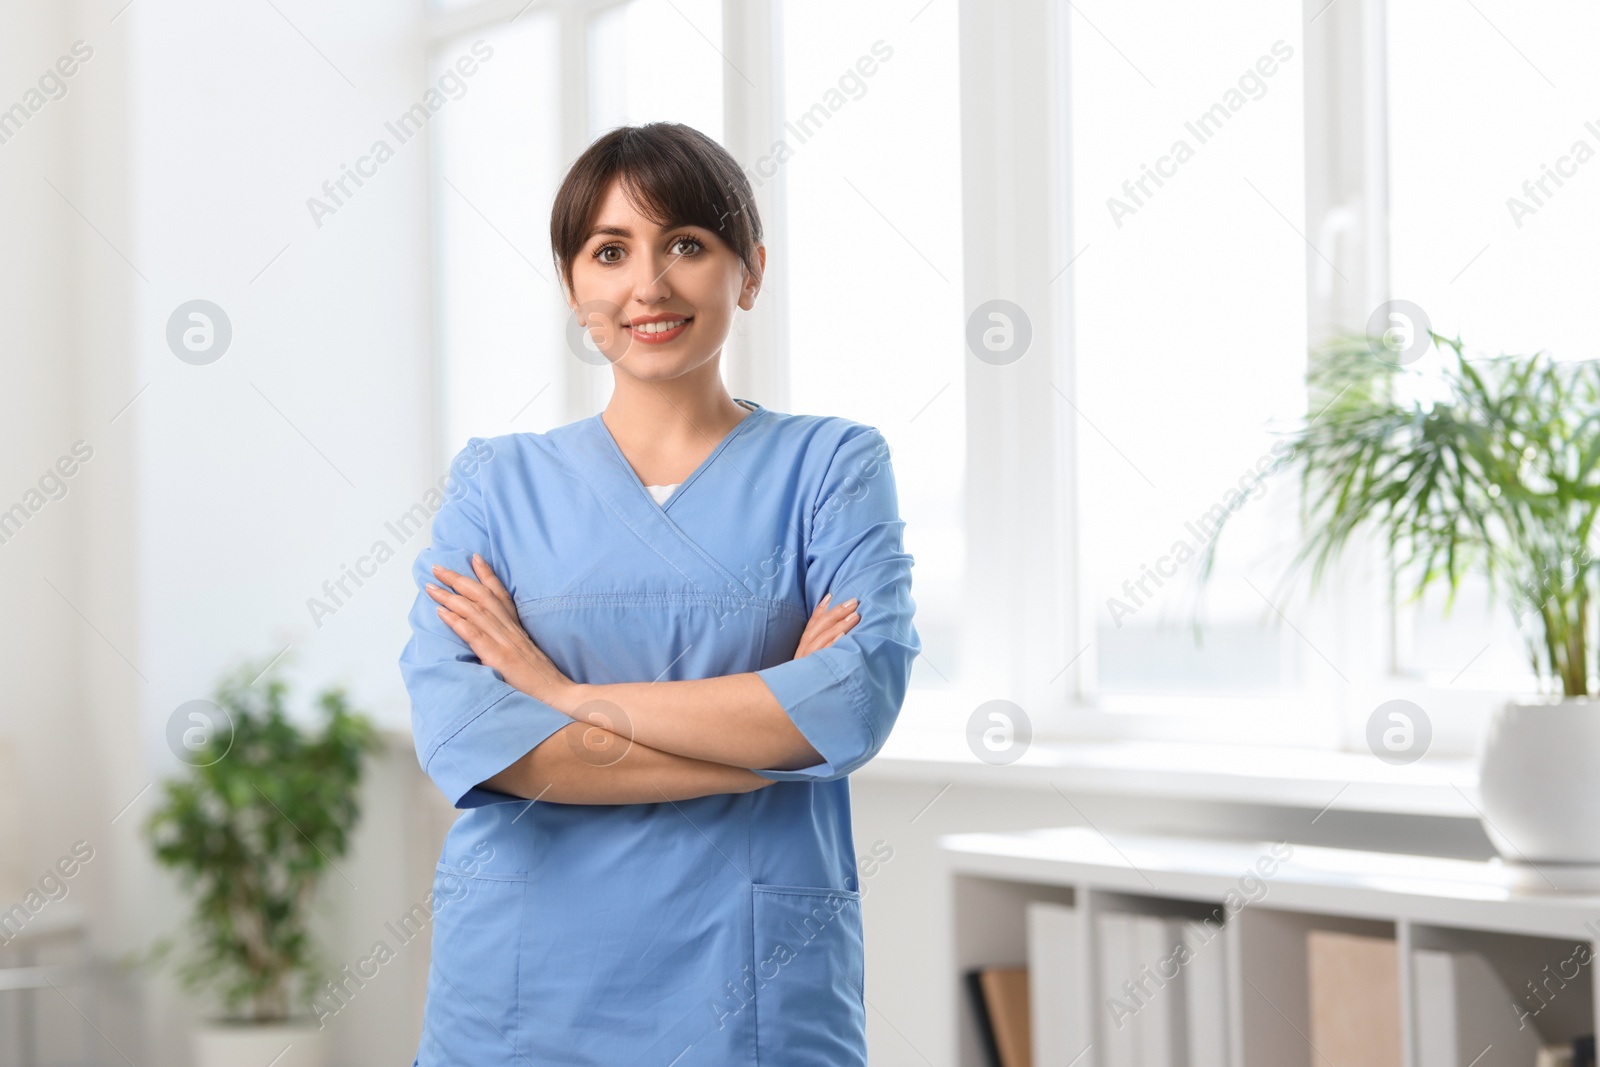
[[661, 492]]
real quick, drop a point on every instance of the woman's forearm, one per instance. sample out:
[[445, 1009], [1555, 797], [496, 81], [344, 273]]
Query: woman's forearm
[[611, 770], [733, 720]]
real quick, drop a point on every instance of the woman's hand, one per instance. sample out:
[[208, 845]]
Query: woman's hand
[[482, 614], [827, 625]]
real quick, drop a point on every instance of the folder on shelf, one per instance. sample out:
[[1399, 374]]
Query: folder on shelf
[[1159, 1030], [1140, 994], [980, 1011], [1115, 964], [1355, 999], [1205, 993], [1000, 999], [1464, 1013], [1005, 989], [1055, 985]]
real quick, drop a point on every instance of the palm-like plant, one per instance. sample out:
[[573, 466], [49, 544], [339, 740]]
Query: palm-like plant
[[253, 833], [1497, 476]]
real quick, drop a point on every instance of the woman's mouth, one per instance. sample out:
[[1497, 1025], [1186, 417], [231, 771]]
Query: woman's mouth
[[658, 333]]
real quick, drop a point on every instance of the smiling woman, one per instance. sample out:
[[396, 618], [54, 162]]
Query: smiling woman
[[663, 199], [714, 664]]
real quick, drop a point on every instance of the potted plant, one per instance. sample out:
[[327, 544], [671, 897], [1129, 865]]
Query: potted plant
[[1487, 466], [263, 811]]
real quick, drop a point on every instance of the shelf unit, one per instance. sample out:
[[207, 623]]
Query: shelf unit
[[1420, 901]]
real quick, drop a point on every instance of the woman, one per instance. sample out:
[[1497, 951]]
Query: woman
[[648, 648]]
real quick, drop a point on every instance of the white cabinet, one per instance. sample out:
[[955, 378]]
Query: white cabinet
[[1270, 897]]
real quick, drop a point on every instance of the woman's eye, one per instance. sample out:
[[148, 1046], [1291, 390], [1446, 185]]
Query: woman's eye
[[602, 253]]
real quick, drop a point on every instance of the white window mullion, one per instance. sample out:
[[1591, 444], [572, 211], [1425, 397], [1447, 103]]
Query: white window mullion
[[756, 360], [1346, 203], [579, 387], [1017, 634]]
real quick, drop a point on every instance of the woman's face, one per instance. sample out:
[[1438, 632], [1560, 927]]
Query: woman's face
[[632, 271]]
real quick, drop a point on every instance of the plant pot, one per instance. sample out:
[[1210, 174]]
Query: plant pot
[[244, 1044], [1538, 789]]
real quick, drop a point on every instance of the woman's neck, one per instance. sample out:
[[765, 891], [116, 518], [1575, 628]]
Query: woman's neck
[[673, 424]]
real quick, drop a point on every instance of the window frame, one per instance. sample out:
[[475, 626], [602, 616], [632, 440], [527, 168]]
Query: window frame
[[1018, 445]]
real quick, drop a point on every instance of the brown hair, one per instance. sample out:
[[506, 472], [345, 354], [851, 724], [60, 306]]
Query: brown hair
[[673, 173]]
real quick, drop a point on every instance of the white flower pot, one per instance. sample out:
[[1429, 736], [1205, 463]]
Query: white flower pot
[[1539, 790], [229, 1044]]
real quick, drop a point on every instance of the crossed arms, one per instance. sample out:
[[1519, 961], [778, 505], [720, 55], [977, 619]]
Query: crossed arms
[[634, 742]]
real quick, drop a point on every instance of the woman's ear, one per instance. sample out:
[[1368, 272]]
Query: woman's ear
[[752, 282]]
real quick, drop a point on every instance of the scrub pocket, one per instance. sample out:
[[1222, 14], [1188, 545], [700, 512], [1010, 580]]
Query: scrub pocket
[[477, 948], [809, 973]]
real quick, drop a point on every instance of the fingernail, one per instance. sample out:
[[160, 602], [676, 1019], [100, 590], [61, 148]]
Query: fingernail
[[827, 597], [855, 616], [853, 602], [477, 557]]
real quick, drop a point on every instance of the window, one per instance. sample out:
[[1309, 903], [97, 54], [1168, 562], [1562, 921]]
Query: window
[[1492, 211], [1190, 337], [874, 251], [651, 60], [1219, 188], [495, 167]]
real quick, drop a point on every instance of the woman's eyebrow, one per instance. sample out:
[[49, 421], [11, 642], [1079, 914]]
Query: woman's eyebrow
[[623, 231]]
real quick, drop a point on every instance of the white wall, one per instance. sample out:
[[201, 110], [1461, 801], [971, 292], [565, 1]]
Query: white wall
[[70, 706], [266, 472], [224, 496]]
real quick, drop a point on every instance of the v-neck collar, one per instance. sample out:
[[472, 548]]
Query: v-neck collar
[[638, 483]]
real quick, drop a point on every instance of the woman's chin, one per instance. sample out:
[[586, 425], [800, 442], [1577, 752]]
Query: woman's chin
[[639, 362]]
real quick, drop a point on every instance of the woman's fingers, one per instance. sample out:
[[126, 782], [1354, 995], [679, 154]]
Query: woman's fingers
[[462, 605], [474, 623], [450, 599], [489, 597], [487, 593], [480, 612], [820, 612], [818, 642], [490, 580], [826, 612], [839, 629], [470, 588], [823, 617], [464, 629], [840, 612], [827, 625]]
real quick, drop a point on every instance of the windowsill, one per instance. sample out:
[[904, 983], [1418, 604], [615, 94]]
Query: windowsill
[[1242, 774]]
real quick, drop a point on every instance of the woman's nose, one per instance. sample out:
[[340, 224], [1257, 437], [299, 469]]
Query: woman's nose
[[652, 280]]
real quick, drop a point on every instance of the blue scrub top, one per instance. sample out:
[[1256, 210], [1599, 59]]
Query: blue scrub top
[[720, 930]]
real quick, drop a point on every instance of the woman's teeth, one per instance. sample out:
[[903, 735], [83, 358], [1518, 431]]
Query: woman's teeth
[[658, 327]]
